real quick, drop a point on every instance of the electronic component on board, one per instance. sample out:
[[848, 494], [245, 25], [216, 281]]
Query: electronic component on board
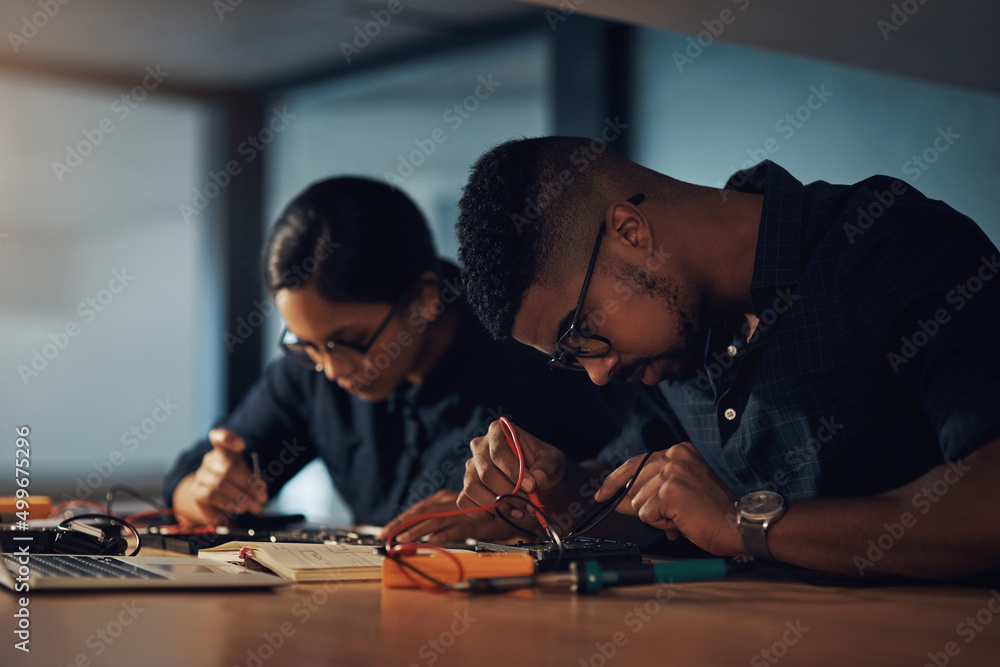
[[549, 556]]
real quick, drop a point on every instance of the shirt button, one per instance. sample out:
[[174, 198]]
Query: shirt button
[[732, 350], [729, 414]]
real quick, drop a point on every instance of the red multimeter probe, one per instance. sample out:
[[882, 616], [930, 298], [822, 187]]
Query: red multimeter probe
[[515, 446]]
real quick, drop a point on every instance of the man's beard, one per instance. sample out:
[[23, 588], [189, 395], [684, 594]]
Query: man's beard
[[687, 354]]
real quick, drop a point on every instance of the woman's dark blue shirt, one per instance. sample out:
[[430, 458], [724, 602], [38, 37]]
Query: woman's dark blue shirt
[[385, 456]]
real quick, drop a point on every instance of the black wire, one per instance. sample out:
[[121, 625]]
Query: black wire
[[538, 510], [586, 522], [591, 520], [402, 562], [549, 528], [559, 545], [530, 533], [605, 509], [120, 521]]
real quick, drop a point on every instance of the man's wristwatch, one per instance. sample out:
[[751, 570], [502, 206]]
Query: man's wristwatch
[[758, 511]]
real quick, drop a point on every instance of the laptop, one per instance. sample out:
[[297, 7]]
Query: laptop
[[45, 572]]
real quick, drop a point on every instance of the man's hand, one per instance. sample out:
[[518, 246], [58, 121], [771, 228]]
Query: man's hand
[[493, 469], [445, 529], [679, 493], [223, 486]]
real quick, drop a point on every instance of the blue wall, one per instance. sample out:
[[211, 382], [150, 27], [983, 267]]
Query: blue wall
[[701, 118]]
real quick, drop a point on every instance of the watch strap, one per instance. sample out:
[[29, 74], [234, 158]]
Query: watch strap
[[754, 535]]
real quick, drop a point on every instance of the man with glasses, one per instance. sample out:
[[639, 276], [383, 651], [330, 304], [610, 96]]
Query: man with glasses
[[825, 354], [386, 375]]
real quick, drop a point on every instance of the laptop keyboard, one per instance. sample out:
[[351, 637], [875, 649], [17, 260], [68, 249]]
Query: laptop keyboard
[[76, 566]]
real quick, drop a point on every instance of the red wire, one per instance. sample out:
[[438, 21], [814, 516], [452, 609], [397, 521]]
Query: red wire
[[512, 442], [515, 445]]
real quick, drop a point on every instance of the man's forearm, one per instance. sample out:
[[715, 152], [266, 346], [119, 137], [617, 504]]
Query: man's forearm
[[942, 525]]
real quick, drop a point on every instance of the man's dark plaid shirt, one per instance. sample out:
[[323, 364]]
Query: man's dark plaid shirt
[[876, 356]]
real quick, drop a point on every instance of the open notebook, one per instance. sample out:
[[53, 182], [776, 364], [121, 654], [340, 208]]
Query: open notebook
[[304, 562], [38, 572]]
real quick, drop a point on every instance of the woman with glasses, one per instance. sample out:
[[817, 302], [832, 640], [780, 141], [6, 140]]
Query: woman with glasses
[[386, 374]]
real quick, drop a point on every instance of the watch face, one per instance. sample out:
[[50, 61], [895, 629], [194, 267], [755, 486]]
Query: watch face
[[761, 504]]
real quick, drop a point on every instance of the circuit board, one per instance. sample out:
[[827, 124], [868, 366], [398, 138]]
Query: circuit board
[[548, 555], [190, 543]]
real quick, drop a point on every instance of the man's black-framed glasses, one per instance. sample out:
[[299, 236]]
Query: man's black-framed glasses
[[578, 343], [345, 352]]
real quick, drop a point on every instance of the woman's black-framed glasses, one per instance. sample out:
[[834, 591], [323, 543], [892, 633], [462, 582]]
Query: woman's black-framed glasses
[[578, 343], [309, 355]]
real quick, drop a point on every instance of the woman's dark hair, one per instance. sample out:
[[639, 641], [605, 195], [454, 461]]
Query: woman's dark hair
[[356, 240]]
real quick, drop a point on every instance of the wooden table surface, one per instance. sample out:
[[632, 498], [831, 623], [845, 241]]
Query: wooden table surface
[[712, 623]]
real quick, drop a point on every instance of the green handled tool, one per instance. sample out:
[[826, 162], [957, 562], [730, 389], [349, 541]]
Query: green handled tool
[[590, 577], [587, 577]]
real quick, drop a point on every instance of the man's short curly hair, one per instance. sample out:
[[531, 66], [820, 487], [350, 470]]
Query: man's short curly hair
[[530, 208]]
